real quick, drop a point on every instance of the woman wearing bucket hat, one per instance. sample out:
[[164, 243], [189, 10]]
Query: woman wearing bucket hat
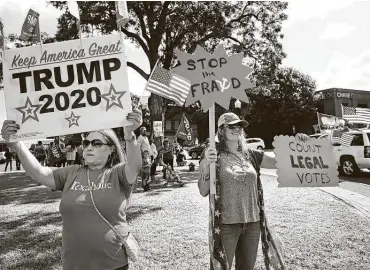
[[238, 187]]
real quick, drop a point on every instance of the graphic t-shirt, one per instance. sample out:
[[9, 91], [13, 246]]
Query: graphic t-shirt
[[88, 242], [239, 195]]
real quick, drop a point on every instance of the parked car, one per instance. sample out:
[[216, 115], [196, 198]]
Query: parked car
[[355, 157], [2, 157], [195, 151], [255, 143]]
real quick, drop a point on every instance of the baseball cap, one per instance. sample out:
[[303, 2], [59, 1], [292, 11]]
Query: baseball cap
[[231, 119]]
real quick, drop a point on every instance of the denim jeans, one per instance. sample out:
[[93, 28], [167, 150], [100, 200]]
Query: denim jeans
[[241, 240]]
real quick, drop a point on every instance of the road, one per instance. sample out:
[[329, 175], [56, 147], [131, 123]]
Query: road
[[360, 184]]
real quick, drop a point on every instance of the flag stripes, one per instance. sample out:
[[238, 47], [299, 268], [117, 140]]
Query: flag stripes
[[344, 139], [168, 85], [356, 115]]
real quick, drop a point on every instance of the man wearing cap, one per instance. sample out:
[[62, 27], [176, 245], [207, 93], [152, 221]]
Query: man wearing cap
[[143, 141]]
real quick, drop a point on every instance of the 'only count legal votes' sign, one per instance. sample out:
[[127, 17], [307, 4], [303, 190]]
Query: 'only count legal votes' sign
[[67, 87], [305, 164]]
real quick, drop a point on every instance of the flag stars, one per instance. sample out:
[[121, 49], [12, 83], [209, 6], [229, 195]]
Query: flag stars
[[222, 255], [217, 230], [217, 213]]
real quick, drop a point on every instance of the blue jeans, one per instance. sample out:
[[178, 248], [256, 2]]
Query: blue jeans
[[241, 240]]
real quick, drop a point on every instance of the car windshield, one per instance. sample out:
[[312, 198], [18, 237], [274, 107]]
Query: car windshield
[[368, 135]]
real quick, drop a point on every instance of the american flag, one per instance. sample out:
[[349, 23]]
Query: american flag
[[169, 85], [356, 115], [339, 136]]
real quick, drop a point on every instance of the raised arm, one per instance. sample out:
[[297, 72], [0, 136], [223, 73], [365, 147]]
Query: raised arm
[[133, 151], [38, 173], [269, 161]]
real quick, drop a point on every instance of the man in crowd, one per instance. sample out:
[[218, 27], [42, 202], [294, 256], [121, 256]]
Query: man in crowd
[[143, 141]]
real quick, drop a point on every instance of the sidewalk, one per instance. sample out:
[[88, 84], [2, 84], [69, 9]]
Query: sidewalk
[[353, 199]]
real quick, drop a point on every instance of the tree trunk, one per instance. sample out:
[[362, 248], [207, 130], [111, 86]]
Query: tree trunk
[[157, 106]]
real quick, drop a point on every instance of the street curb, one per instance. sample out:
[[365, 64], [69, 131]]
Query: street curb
[[353, 199], [356, 200]]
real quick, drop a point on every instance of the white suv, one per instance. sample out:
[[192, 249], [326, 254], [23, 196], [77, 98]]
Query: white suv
[[355, 157]]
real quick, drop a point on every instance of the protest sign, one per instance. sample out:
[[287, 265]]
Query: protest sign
[[215, 78], [157, 128], [67, 87], [305, 164]]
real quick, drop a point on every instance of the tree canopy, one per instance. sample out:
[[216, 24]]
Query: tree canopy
[[253, 27], [293, 103]]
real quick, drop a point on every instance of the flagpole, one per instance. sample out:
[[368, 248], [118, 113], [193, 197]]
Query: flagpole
[[39, 29], [318, 121], [177, 132]]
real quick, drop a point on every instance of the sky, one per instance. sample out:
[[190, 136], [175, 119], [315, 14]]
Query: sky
[[328, 40]]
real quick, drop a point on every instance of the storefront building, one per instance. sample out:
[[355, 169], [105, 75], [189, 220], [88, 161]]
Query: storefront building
[[331, 100]]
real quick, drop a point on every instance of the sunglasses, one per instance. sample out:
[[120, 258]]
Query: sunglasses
[[95, 143], [232, 127]]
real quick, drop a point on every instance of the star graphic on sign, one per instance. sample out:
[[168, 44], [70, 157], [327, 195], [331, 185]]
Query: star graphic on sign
[[73, 120], [29, 111], [217, 230], [113, 98], [217, 213], [222, 254]]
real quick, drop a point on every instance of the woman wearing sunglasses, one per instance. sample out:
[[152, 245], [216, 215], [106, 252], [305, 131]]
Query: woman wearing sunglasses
[[240, 216], [105, 180]]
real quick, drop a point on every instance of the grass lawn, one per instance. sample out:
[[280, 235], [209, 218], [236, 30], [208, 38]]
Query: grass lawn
[[171, 226]]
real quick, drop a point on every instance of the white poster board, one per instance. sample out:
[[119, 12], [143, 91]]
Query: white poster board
[[305, 164], [157, 127], [67, 87]]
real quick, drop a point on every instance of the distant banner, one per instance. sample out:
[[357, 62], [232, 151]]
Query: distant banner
[[67, 87], [30, 28], [330, 122], [184, 131], [305, 164], [157, 128]]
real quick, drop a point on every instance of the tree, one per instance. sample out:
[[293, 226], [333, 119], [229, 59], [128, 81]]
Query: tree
[[293, 103], [253, 27]]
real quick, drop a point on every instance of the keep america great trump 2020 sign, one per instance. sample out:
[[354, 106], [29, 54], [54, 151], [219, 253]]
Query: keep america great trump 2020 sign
[[67, 87]]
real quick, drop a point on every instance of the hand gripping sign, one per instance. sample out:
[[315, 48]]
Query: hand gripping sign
[[215, 78], [305, 164], [67, 87]]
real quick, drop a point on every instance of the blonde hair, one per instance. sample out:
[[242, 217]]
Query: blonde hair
[[222, 145]]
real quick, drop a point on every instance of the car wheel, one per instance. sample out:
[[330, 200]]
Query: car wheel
[[194, 155], [349, 167], [260, 147]]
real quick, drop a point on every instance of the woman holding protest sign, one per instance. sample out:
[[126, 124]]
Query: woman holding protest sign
[[95, 197], [240, 209]]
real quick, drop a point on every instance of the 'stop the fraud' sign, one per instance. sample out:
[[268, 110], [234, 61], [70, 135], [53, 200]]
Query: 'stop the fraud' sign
[[67, 87], [305, 164], [214, 77]]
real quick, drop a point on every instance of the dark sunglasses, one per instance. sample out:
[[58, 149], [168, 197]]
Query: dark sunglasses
[[232, 127], [95, 143]]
